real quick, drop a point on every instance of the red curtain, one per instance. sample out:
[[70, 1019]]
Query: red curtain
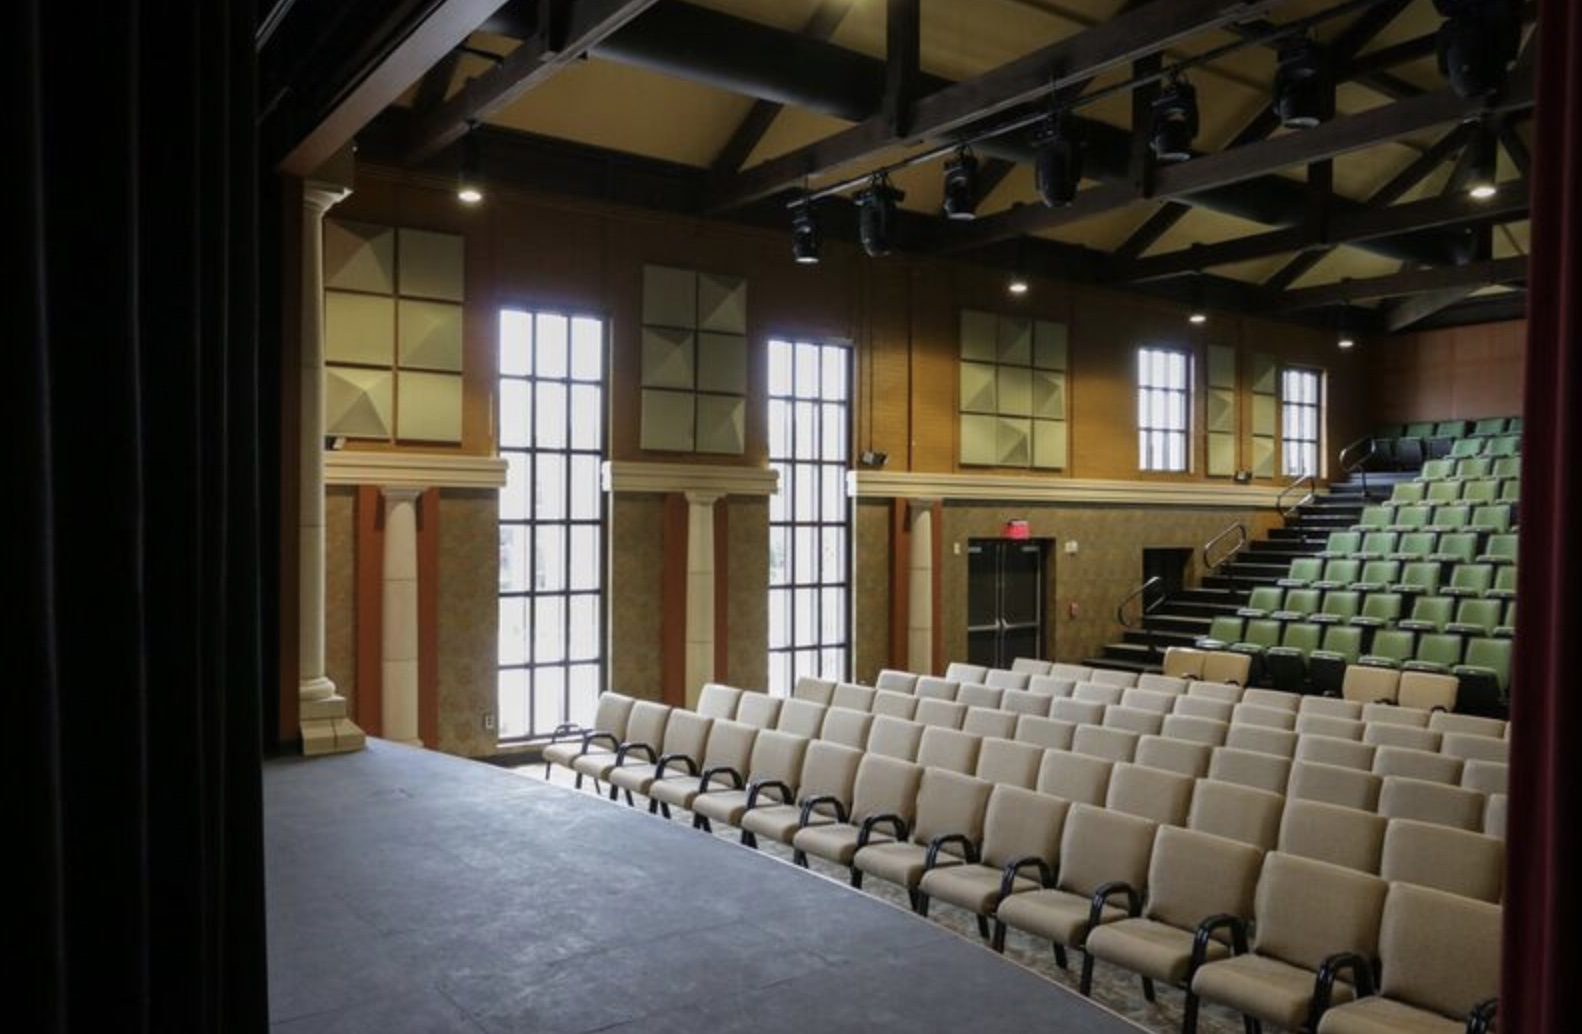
[[1541, 949]]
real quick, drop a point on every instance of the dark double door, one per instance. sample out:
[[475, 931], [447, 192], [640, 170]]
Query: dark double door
[[1005, 600]]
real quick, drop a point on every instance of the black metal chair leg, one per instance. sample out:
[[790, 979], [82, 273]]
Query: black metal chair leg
[[749, 840], [1251, 1024], [615, 792], [577, 784], [653, 806], [983, 927], [629, 802], [856, 878], [1189, 1018], [1060, 956], [799, 857], [1085, 985], [664, 809], [998, 943], [919, 902], [1148, 989]]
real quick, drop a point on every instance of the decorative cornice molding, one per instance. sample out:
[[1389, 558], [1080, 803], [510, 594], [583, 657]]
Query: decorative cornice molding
[[904, 485], [413, 470], [636, 476]]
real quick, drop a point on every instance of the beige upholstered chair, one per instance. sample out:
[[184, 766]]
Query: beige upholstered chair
[[1329, 707], [1151, 793], [645, 734], [717, 700], [1427, 691], [1263, 716], [773, 774], [894, 705], [760, 710], [1113, 744], [1144, 699], [957, 671], [1003, 678], [603, 736], [1073, 672], [892, 737], [975, 694], [801, 718], [947, 714], [896, 681], [1183, 662], [1278, 699], [1453, 860], [1227, 692], [1106, 693], [1404, 798], [1466, 724], [852, 697], [1021, 849], [725, 762], [1330, 750], [1494, 815], [1369, 685], [1030, 666], [1417, 764], [1309, 915], [1440, 962], [1134, 719], [1113, 677], [1190, 706], [1227, 666], [1473, 747], [1486, 777], [930, 688], [1192, 877], [851, 728], [946, 830], [1004, 761], [1103, 854], [1392, 734], [1051, 685], [1236, 812], [686, 736], [1210, 732], [949, 749], [883, 802], [982, 721], [1395, 714], [1049, 733], [1024, 701], [1182, 757], [1330, 833], [1075, 777], [1324, 725], [1262, 738], [1077, 712], [1171, 685], [818, 691], [1332, 784], [823, 791], [1250, 768]]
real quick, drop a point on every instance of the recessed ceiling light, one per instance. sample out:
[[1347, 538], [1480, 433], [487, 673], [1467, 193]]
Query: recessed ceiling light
[[1018, 285]]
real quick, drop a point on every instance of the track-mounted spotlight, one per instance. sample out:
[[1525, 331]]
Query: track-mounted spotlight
[[469, 183], [961, 186], [805, 236], [1477, 44], [1301, 85], [876, 216], [1057, 162], [1482, 165], [1197, 314], [1175, 121], [1345, 338]]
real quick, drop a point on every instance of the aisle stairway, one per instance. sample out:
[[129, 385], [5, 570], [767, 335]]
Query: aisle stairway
[[1183, 616]]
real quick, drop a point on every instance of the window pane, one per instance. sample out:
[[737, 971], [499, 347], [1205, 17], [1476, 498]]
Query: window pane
[[516, 343], [832, 615], [804, 555], [549, 558], [805, 606], [513, 497], [515, 558], [587, 416], [549, 698], [780, 674], [585, 488], [551, 422], [513, 630], [551, 350], [834, 434], [780, 368], [584, 627], [835, 359], [779, 428], [549, 486], [832, 663], [807, 373], [806, 492], [584, 693], [516, 414], [586, 560], [511, 694], [779, 618], [549, 628], [833, 495], [780, 502], [832, 555], [587, 349], [779, 556], [806, 431]]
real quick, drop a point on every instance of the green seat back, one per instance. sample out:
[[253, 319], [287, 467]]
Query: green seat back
[[1458, 546], [1225, 628], [1502, 546], [1489, 425], [1416, 544], [1409, 517], [1507, 467], [1476, 467], [1454, 516], [1439, 648], [1494, 654], [1406, 493], [1262, 632], [1437, 610], [1450, 429], [1343, 542], [1508, 445], [1438, 470], [1381, 606], [1306, 569], [1266, 598], [1302, 635], [1492, 517], [1476, 577], [1510, 614], [1302, 601], [1343, 570], [1511, 491], [1444, 492], [1422, 575], [1505, 578], [1514, 426], [1421, 429], [1465, 447], [1342, 603], [1396, 644], [1483, 613], [1376, 517], [1345, 640], [1380, 572], [1377, 543], [1484, 490]]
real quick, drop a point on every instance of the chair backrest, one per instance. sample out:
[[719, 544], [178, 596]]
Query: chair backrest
[[1152, 793], [1227, 666], [947, 714], [1392, 734], [974, 694], [647, 722], [1455, 860], [1486, 777], [1494, 815], [1143, 699], [1393, 714], [1309, 910], [1276, 698], [931, 688], [1180, 756], [948, 749], [1077, 712], [730, 745], [1367, 684], [1194, 875], [1440, 952], [1279, 742], [1173, 685], [1001, 678], [1021, 823], [777, 756], [950, 802], [1467, 724], [1323, 725], [1030, 666], [1183, 662], [1344, 640], [892, 737], [613, 711], [885, 786], [894, 705], [1207, 731], [957, 671], [801, 718], [1003, 761], [852, 728], [1074, 777], [1114, 677], [1072, 672], [1417, 764], [1099, 845], [1134, 719], [687, 733], [1268, 717], [1250, 768], [1023, 701], [1331, 750], [759, 709], [1049, 733], [1426, 690], [853, 697], [829, 770], [817, 690], [1236, 812], [1099, 742], [1098, 693], [1332, 784], [1331, 833], [1051, 685], [1403, 798], [1212, 692], [982, 721], [716, 700], [897, 681], [1192, 706]]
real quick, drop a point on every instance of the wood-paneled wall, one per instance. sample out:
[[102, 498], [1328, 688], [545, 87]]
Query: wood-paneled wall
[[1448, 374]]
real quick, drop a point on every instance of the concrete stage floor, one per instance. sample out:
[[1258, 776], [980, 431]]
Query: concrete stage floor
[[413, 891]]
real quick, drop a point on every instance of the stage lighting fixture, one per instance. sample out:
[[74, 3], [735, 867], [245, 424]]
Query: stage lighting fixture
[[1483, 164], [1175, 121], [469, 183], [805, 237], [961, 186], [1477, 43], [1301, 85], [876, 216], [1057, 162]]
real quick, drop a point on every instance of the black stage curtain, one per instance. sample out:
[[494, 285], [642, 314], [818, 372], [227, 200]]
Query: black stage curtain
[[133, 409]]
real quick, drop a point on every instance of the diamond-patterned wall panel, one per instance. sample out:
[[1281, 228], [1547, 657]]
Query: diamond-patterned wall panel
[[359, 328], [1221, 366], [978, 439], [978, 335], [431, 265], [1015, 341], [1263, 457], [429, 407], [430, 335], [1221, 455], [1049, 345], [722, 303], [1014, 442], [668, 420], [722, 363], [670, 297], [1263, 414], [359, 256], [1049, 444], [978, 394], [1222, 409], [1264, 374], [722, 424], [1049, 394], [1015, 390], [357, 402], [668, 357]]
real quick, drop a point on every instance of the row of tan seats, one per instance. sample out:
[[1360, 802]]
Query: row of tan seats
[[1036, 861], [1189, 663]]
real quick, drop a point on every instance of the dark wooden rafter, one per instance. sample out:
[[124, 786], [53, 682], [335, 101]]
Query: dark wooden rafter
[[1408, 282], [431, 89], [580, 26], [903, 43], [1516, 147], [750, 131]]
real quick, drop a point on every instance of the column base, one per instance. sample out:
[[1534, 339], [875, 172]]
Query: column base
[[325, 728]]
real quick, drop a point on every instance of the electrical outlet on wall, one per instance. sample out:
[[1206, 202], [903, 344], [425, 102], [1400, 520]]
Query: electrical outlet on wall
[[488, 721]]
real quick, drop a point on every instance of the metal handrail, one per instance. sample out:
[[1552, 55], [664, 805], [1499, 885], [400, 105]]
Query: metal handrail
[[1312, 489], [1120, 612], [1360, 465], [1211, 565]]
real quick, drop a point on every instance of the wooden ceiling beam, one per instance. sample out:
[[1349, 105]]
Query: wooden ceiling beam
[[1402, 284]]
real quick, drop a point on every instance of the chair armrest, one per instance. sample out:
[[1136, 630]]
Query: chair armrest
[[708, 776], [896, 823], [1105, 891], [1324, 984], [1046, 875], [595, 736], [683, 760], [809, 803], [969, 850], [567, 731], [629, 748], [753, 790], [1481, 1019], [1205, 932]]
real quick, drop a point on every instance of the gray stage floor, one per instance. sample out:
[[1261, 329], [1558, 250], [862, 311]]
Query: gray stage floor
[[412, 891]]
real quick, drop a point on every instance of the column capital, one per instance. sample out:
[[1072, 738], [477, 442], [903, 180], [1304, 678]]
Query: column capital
[[401, 493], [704, 497], [319, 197]]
